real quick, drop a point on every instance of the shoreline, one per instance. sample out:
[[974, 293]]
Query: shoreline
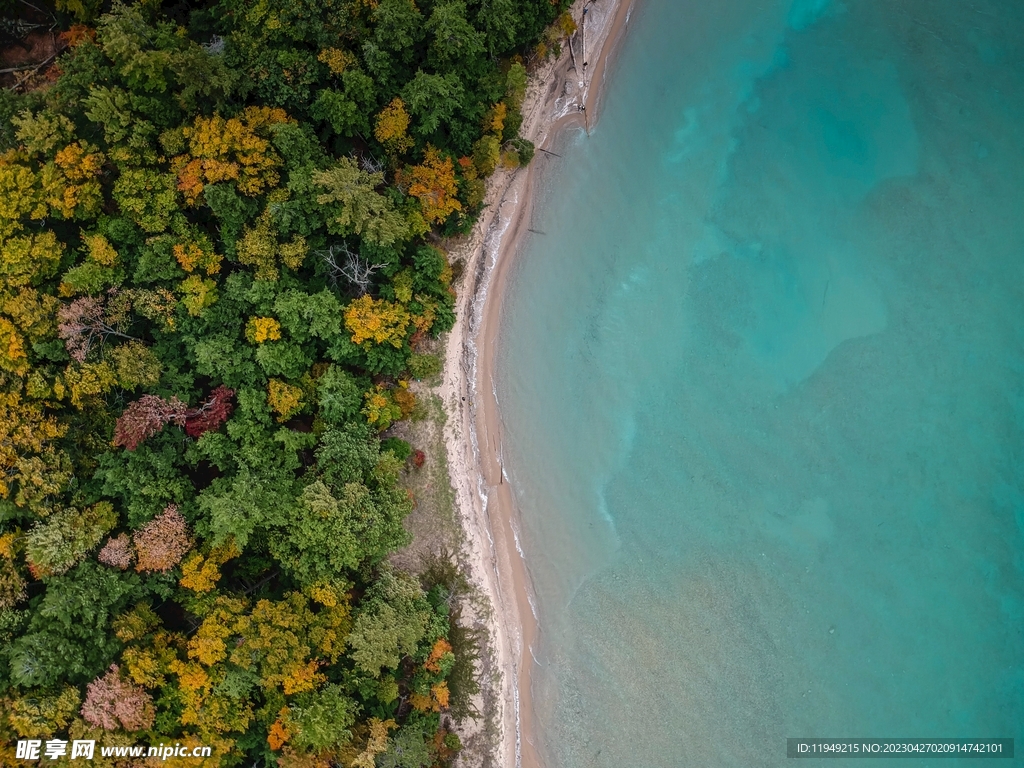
[[473, 433]]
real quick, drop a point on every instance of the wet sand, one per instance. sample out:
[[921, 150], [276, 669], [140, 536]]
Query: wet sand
[[473, 434]]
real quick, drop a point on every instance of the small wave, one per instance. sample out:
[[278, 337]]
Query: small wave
[[522, 556], [534, 657], [519, 729]]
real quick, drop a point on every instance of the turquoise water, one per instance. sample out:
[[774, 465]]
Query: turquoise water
[[763, 386]]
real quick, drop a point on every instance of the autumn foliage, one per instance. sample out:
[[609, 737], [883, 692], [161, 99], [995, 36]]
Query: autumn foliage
[[229, 150], [149, 414], [162, 542], [438, 652], [433, 184], [261, 329], [211, 414], [377, 321], [117, 552], [283, 398], [145, 417], [219, 270], [83, 324], [392, 127], [113, 703]]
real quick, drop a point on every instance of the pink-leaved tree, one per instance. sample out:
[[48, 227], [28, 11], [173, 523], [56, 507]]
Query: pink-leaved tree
[[162, 542], [82, 324], [112, 702], [145, 417], [117, 552]]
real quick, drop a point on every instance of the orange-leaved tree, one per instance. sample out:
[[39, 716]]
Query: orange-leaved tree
[[433, 183], [162, 542]]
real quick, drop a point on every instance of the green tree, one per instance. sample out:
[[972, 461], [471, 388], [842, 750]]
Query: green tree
[[338, 395], [68, 637], [249, 502], [433, 100], [453, 38], [499, 22], [397, 30], [59, 542], [335, 533], [348, 454], [304, 316], [356, 206], [390, 624], [407, 749], [147, 479], [347, 111], [322, 719]]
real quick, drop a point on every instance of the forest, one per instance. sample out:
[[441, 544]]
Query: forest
[[221, 254]]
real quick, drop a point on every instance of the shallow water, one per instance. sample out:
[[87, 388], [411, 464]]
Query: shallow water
[[762, 382]]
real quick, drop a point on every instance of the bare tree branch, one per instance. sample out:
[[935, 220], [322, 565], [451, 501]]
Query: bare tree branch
[[33, 67], [370, 164], [342, 263]]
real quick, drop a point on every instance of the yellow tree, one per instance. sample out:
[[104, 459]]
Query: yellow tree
[[29, 458], [13, 357], [392, 127], [283, 643], [376, 742], [234, 149], [283, 399], [70, 183], [83, 383], [197, 293], [29, 259], [259, 248], [25, 260], [261, 329], [12, 583], [494, 119], [21, 193], [433, 183], [380, 407], [194, 255], [200, 573], [336, 59], [378, 321]]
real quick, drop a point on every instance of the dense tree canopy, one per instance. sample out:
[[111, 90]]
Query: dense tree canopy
[[219, 229]]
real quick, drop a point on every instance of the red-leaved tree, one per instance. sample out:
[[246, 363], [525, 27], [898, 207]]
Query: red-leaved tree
[[148, 415], [211, 414], [112, 702], [145, 417]]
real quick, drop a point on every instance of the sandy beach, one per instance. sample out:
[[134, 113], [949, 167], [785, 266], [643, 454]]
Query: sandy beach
[[473, 435]]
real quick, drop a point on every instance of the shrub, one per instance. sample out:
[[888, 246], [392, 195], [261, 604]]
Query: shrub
[[424, 366], [397, 446]]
